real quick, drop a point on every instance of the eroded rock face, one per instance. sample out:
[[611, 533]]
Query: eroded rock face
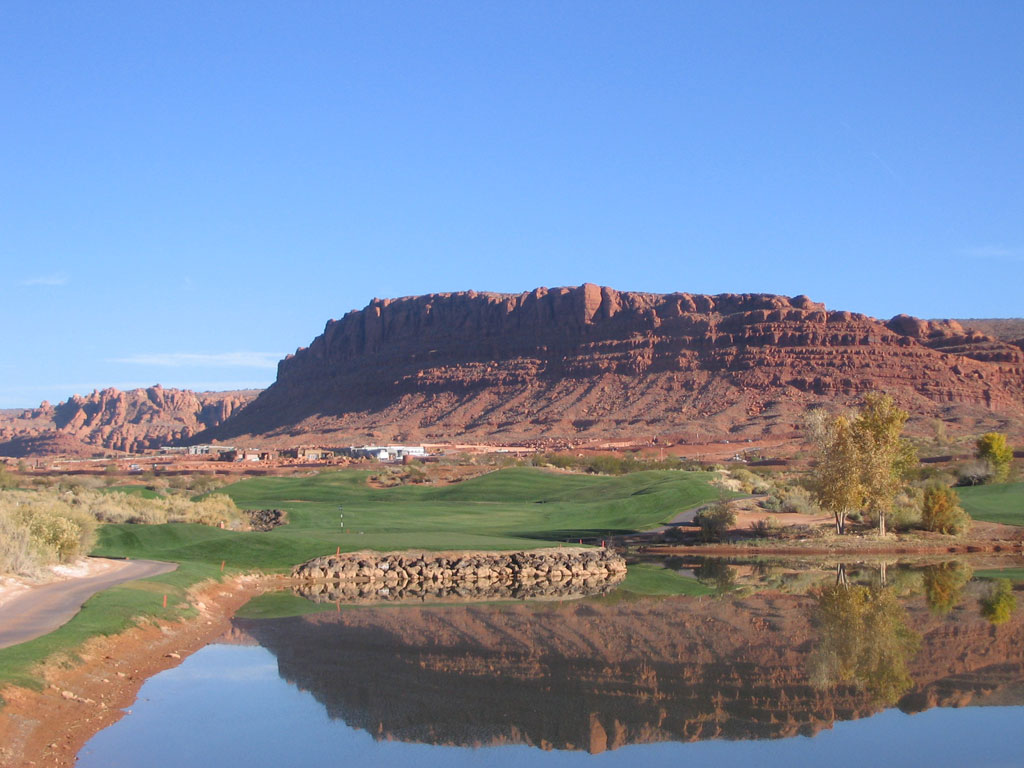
[[112, 419], [426, 576], [591, 361]]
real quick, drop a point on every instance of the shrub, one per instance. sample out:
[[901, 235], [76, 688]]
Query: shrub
[[715, 520], [975, 472], [16, 551], [7, 479], [750, 483], [798, 500], [43, 528], [765, 527], [906, 510], [941, 511]]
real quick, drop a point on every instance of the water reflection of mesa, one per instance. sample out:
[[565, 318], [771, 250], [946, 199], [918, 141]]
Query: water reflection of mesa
[[600, 676]]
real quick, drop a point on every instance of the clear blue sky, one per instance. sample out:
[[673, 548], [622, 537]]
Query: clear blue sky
[[188, 191]]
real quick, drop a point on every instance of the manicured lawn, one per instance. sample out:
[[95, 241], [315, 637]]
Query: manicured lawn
[[1001, 503], [515, 508], [511, 509], [133, 490]]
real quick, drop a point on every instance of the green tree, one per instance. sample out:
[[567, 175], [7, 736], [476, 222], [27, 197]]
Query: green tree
[[715, 520], [992, 447], [885, 457], [863, 461], [837, 476]]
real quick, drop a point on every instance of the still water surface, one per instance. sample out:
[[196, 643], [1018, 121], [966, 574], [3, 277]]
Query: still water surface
[[736, 678]]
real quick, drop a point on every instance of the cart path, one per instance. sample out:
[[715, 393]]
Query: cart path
[[687, 516], [40, 610]]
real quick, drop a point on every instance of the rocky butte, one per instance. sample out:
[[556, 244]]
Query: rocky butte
[[124, 421], [592, 362]]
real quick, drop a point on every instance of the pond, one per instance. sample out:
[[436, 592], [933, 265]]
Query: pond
[[782, 663]]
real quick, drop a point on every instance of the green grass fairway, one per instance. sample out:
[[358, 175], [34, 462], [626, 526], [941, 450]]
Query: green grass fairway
[[510, 509], [1002, 503]]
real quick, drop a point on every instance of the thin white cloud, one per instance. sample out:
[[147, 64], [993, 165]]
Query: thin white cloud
[[995, 253], [200, 360], [57, 278]]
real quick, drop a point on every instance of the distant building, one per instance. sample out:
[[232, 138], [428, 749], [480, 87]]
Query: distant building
[[386, 452], [207, 450], [308, 454]]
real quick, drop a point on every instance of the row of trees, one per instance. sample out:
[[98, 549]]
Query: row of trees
[[864, 462]]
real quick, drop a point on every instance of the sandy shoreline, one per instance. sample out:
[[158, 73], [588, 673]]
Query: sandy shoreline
[[49, 727]]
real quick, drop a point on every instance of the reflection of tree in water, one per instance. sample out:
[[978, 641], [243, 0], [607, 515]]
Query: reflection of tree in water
[[944, 585], [864, 639], [997, 606], [716, 572]]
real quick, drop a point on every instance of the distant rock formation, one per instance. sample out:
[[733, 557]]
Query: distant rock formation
[[593, 362], [115, 420]]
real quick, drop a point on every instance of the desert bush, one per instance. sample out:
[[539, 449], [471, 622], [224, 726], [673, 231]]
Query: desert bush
[[975, 472], [16, 552], [715, 520], [797, 499], [750, 483], [559, 460], [7, 479], [765, 527], [941, 510], [905, 514], [56, 530]]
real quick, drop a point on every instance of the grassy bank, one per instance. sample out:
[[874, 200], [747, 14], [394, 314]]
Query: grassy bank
[[517, 508], [1000, 503]]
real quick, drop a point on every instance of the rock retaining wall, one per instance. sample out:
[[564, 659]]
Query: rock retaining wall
[[393, 576]]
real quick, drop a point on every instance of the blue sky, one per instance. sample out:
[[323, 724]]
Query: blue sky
[[189, 191]]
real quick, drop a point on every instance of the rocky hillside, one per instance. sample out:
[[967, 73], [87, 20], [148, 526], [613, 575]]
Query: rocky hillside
[[115, 420], [593, 362]]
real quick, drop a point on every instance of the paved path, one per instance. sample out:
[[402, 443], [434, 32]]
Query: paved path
[[687, 516], [42, 609]]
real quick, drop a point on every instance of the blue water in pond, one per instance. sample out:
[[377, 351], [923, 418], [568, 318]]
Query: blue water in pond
[[227, 706]]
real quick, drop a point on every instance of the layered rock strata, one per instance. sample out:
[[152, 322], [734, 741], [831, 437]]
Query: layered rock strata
[[593, 362], [404, 576], [121, 421]]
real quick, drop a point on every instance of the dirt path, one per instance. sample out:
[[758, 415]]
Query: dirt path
[[42, 609]]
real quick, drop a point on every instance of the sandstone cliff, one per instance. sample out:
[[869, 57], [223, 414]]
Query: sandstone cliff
[[115, 420], [593, 362]]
